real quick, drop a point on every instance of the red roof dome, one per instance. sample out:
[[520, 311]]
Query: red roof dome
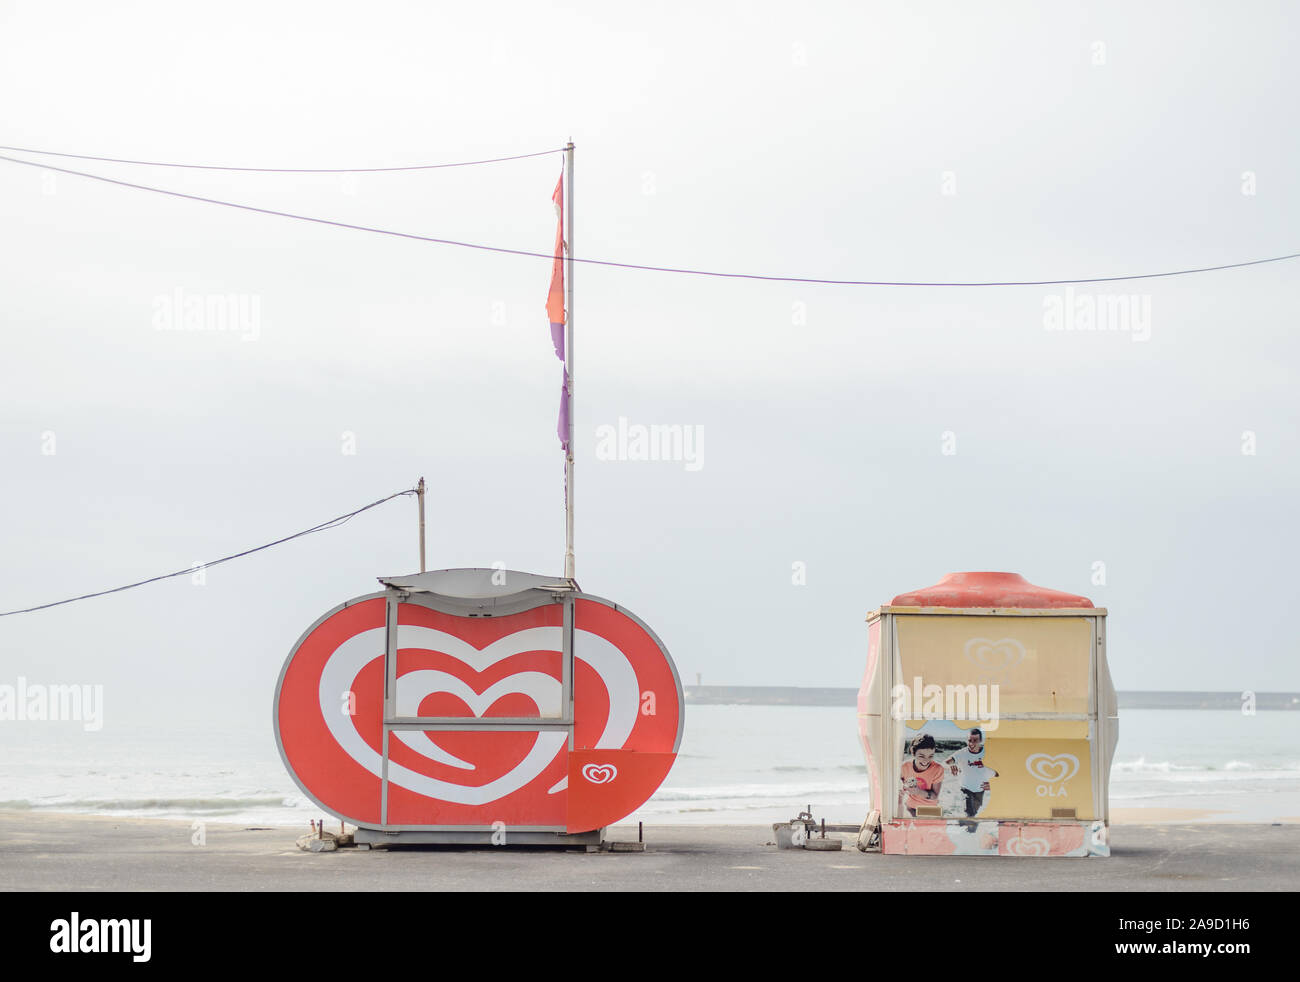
[[988, 590]]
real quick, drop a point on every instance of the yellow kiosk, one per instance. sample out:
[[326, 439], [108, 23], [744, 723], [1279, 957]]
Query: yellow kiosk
[[989, 720]]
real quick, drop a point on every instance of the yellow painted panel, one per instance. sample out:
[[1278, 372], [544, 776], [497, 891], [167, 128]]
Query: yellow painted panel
[[1035, 776], [1018, 729], [1026, 664]]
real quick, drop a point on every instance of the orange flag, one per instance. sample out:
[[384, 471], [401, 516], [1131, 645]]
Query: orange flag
[[555, 299]]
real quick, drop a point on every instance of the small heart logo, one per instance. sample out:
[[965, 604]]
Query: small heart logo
[[1026, 846], [600, 773], [995, 658], [1052, 769]]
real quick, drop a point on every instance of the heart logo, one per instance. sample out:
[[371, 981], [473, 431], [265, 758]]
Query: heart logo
[[461, 756], [353, 655], [415, 687], [425, 692], [1028, 846], [599, 773], [995, 658], [512, 725], [1052, 769]]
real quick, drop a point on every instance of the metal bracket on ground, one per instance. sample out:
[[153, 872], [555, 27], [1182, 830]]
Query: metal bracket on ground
[[869, 834]]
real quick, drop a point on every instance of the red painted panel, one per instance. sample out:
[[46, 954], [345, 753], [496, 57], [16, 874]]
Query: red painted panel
[[988, 590], [313, 755], [608, 785]]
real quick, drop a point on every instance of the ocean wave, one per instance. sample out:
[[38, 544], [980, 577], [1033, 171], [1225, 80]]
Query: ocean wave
[[1240, 778], [1208, 793], [1144, 766], [187, 805], [792, 805], [740, 792]]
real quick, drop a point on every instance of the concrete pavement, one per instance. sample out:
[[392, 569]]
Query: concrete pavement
[[63, 852]]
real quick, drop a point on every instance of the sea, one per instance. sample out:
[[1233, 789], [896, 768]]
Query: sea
[[738, 765]]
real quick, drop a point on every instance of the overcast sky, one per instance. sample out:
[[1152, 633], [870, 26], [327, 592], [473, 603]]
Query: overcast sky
[[866, 141]]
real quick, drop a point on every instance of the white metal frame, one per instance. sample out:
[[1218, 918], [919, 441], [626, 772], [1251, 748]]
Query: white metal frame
[[494, 724]]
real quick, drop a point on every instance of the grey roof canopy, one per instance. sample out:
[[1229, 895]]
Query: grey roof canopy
[[476, 584]]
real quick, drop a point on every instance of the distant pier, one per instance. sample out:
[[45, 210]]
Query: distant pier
[[796, 695]]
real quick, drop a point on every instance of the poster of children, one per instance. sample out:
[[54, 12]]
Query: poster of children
[[944, 766]]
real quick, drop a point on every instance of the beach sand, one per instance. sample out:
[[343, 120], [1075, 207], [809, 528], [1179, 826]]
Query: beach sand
[[1160, 816], [44, 851]]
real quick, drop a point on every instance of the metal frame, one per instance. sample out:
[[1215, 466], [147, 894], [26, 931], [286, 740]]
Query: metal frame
[[529, 599], [467, 836], [1107, 722], [1095, 728], [449, 605]]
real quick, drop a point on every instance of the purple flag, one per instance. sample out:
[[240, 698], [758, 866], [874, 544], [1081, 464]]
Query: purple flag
[[562, 427]]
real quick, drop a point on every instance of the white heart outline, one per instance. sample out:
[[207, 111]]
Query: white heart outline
[[1025, 845], [995, 671], [1068, 763], [545, 691], [354, 654], [603, 773]]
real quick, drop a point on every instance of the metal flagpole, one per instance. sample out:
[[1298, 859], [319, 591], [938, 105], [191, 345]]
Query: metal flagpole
[[568, 361], [419, 494]]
